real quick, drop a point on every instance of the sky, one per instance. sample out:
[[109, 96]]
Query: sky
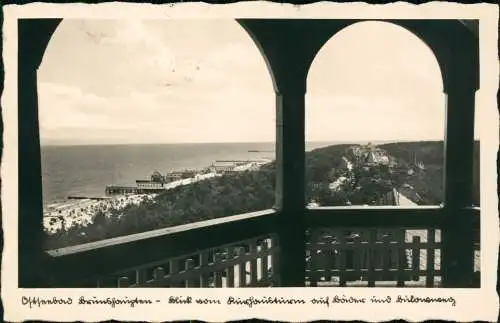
[[174, 81]]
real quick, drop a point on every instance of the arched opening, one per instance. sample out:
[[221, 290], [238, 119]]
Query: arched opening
[[375, 119], [119, 100]]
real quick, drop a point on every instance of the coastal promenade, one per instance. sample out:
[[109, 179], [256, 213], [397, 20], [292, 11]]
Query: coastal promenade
[[191, 180]]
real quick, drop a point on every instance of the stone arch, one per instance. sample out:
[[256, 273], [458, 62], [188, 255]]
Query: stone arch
[[47, 27], [454, 45], [439, 36], [261, 49], [389, 25], [230, 58], [40, 30], [376, 72]]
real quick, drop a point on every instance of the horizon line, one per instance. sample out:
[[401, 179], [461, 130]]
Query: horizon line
[[235, 142]]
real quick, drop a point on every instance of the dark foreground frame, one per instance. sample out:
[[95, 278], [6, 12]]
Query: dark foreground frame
[[288, 47]]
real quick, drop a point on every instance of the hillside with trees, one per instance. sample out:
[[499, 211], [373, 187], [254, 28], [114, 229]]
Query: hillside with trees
[[338, 176], [319, 162], [429, 183]]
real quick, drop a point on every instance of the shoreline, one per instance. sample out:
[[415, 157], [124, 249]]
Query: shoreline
[[81, 210]]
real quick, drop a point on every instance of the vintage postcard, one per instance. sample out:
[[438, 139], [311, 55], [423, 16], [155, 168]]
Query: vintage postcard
[[250, 160]]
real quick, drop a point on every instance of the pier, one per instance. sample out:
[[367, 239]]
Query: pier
[[120, 189], [98, 198]]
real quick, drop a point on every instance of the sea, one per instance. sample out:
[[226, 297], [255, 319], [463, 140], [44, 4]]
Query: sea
[[86, 170]]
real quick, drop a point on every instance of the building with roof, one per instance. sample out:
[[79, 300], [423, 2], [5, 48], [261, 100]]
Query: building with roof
[[375, 157], [157, 177]]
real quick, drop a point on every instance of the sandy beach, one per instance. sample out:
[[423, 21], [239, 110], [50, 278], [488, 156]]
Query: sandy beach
[[82, 211]]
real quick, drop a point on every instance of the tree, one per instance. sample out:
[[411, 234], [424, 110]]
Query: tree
[[100, 218]]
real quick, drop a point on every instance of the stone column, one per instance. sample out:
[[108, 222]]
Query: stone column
[[290, 185], [457, 263], [33, 36]]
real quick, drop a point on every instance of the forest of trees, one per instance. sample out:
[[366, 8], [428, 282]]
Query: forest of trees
[[255, 190], [360, 186], [430, 183]]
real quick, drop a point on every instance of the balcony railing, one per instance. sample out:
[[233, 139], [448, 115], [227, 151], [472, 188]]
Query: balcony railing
[[243, 251], [374, 257], [246, 263]]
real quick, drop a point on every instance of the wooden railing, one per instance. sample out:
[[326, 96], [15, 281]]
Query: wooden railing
[[376, 257], [239, 250], [344, 247], [386, 246], [247, 263]]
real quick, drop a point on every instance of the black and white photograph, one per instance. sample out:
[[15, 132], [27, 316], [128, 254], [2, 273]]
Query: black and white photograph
[[252, 152]]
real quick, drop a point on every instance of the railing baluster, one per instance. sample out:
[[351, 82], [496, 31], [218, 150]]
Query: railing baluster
[[253, 263], [437, 256], [258, 261], [372, 235], [395, 246], [242, 276], [140, 276], [218, 274], [231, 268], [204, 262], [415, 261], [329, 256], [159, 277], [275, 276], [174, 270], [401, 257], [364, 254], [386, 257], [195, 280], [357, 255], [264, 263], [107, 282], [123, 282], [429, 277], [332, 260], [342, 258], [314, 260]]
